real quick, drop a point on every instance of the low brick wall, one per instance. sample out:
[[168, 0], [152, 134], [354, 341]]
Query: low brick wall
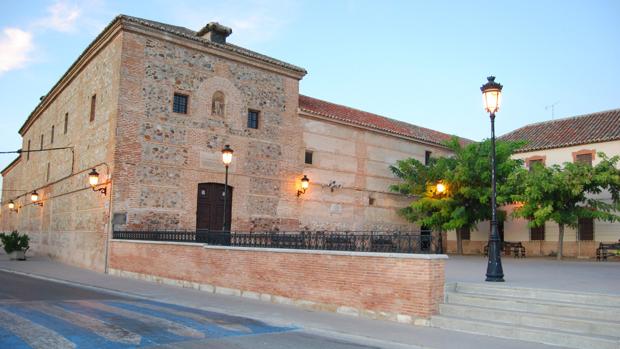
[[400, 287], [535, 248]]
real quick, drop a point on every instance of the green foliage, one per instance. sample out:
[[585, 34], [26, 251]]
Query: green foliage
[[15, 242], [467, 175], [564, 194]]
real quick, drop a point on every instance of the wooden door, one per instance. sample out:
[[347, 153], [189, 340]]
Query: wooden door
[[210, 207]]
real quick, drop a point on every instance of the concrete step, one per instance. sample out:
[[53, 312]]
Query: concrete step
[[539, 294], [591, 312], [525, 333], [559, 323]]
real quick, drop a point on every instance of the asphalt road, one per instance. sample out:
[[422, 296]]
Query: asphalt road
[[35, 313]]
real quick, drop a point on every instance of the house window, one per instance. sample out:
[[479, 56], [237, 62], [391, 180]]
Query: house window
[[427, 157], [52, 135], [584, 159], [308, 159], [465, 233], [28, 152], [93, 105], [179, 105], [537, 233], [66, 123], [586, 229], [41, 148], [253, 118], [535, 162]]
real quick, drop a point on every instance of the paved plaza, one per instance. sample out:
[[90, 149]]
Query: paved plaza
[[585, 275]]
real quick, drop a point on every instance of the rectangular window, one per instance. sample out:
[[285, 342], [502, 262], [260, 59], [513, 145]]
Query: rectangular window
[[584, 159], [586, 229], [253, 118], [66, 123], [47, 174], [534, 163], [179, 105], [52, 135], [465, 233], [537, 233], [427, 157], [308, 159], [93, 105], [41, 142], [28, 152]]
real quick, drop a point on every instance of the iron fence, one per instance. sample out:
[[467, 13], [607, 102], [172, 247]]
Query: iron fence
[[361, 241]]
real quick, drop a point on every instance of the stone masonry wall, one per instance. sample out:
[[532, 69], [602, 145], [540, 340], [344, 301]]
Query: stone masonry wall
[[398, 287], [71, 225], [162, 156]]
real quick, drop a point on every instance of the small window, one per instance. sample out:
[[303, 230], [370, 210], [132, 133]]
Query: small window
[[427, 157], [28, 152], [66, 123], [41, 148], [537, 233], [52, 135], [371, 201], [179, 105], [308, 159], [93, 106], [533, 163], [586, 229], [47, 174], [584, 159], [253, 118], [465, 233]]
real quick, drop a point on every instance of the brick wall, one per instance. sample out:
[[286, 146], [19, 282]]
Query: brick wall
[[393, 286]]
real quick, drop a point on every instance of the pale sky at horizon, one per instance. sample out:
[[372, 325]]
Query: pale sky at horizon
[[417, 61]]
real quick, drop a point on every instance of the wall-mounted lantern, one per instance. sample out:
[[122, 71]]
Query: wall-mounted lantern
[[34, 197], [13, 207], [305, 183], [93, 180]]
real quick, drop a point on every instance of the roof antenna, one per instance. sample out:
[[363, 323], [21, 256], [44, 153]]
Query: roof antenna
[[552, 107]]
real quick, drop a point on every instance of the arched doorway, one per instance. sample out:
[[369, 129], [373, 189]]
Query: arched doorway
[[210, 207]]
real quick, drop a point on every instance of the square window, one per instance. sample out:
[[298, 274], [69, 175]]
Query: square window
[[253, 118], [179, 104], [308, 159]]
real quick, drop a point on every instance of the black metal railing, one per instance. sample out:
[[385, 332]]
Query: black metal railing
[[361, 241]]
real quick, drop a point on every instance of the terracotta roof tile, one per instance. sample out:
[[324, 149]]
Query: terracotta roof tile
[[358, 117], [590, 128]]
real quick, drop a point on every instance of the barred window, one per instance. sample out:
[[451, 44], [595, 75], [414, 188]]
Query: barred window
[[586, 229], [584, 159], [253, 118], [537, 233], [179, 105]]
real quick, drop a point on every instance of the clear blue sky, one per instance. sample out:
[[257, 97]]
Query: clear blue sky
[[417, 61]]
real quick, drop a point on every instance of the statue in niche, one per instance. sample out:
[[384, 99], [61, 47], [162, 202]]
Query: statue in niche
[[218, 104]]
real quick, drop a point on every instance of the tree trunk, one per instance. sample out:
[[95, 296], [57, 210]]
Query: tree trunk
[[560, 242], [459, 241]]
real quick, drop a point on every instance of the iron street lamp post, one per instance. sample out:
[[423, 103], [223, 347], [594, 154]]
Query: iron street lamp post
[[491, 94], [227, 154]]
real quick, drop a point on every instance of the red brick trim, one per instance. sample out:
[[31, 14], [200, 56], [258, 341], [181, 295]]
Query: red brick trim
[[583, 152]]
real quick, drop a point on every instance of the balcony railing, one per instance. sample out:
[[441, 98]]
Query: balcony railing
[[361, 241]]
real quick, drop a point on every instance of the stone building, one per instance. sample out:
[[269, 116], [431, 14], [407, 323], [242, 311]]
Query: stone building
[[572, 139], [150, 106]]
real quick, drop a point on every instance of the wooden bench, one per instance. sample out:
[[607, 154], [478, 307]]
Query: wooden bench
[[515, 248], [602, 252]]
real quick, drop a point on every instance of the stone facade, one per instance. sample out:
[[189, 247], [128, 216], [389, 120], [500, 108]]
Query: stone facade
[[151, 159]]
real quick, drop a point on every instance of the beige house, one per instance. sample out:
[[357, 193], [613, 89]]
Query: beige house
[[577, 138], [149, 107]]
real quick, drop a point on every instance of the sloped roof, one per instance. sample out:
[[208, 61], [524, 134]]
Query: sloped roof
[[598, 127], [358, 117]]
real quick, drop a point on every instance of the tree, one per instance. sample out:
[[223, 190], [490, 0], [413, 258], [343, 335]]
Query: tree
[[467, 177], [564, 194]]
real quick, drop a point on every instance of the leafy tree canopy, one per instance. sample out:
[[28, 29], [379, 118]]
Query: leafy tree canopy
[[467, 177]]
